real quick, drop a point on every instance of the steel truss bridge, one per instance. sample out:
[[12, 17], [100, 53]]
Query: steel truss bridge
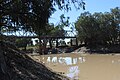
[[22, 34]]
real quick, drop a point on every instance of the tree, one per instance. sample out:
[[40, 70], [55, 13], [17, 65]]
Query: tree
[[99, 28], [87, 28], [22, 43], [115, 13], [31, 15]]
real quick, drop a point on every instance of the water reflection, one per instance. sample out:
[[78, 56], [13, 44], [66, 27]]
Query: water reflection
[[66, 64], [116, 61], [65, 60], [73, 72], [88, 67]]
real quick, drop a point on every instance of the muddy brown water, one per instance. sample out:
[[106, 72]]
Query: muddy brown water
[[84, 66]]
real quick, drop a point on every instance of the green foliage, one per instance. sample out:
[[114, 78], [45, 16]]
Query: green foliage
[[99, 28], [64, 21], [52, 30], [31, 15], [22, 43]]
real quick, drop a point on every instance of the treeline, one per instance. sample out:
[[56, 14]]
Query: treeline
[[99, 28]]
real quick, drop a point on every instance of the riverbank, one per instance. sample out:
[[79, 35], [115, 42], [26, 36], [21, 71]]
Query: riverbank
[[15, 65], [98, 50]]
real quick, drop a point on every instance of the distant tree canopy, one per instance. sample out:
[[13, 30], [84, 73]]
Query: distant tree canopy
[[22, 43], [31, 15], [99, 28]]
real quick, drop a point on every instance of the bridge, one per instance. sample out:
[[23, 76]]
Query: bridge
[[25, 34], [43, 39]]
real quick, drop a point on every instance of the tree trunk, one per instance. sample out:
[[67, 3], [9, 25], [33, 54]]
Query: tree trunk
[[76, 42], [56, 43], [44, 46], [50, 43], [40, 46], [71, 42]]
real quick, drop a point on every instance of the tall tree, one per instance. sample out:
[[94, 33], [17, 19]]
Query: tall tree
[[31, 15], [99, 28]]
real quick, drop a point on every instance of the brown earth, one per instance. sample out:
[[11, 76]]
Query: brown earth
[[15, 65]]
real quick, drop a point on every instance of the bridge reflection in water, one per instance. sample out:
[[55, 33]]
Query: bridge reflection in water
[[71, 62], [84, 67], [63, 64]]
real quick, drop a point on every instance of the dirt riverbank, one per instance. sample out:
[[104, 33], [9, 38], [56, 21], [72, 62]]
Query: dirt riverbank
[[16, 66]]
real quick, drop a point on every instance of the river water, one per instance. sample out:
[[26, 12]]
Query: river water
[[84, 66]]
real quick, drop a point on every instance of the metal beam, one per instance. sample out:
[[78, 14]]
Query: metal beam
[[44, 37]]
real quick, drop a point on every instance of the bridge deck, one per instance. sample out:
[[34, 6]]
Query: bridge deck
[[44, 37]]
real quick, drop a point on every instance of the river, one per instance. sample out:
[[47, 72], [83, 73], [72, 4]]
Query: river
[[84, 66]]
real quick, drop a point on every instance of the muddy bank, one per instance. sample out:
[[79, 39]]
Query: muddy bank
[[99, 50], [16, 66]]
